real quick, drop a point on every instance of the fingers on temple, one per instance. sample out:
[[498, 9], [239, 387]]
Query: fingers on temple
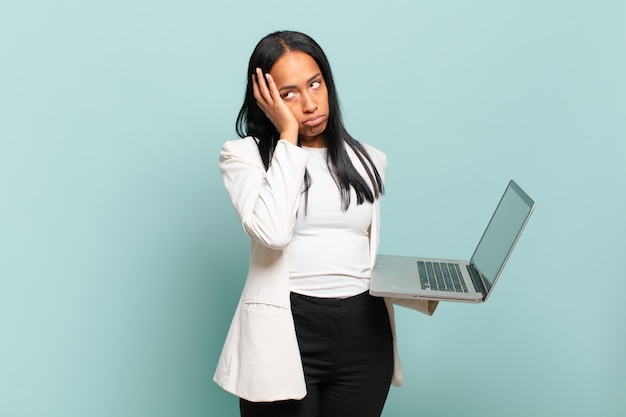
[[273, 90], [256, 88], [265, 91]]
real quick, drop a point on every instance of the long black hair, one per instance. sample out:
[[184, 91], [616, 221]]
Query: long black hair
[[251, 120]]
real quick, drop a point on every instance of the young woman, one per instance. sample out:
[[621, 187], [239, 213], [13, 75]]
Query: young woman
[[307, 339]]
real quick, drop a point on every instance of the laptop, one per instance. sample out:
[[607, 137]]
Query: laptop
[[453, 279]]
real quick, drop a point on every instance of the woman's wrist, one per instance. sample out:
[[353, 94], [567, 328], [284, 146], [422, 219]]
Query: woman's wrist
[[290, 137]]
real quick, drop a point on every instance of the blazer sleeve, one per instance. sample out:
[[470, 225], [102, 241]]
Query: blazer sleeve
[[265, 201]]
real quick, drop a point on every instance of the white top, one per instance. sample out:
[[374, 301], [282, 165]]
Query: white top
[[329, 249]]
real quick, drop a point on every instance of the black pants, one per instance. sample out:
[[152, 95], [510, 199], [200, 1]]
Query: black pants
[[347, 353]]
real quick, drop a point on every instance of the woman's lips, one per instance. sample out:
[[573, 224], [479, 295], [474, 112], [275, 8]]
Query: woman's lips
[[314, 121]]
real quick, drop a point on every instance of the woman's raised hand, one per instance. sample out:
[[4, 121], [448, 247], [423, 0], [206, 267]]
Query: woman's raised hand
[[269, 100]]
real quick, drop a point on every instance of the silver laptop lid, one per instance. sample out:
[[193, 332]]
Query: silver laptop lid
[[501, 235]]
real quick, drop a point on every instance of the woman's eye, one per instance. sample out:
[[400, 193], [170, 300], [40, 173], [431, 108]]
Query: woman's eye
[[289, 95], [315, 85]]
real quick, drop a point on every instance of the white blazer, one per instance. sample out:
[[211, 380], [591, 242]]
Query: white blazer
[[260, 360]]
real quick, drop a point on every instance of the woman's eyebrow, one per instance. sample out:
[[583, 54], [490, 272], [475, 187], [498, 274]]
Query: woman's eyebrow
[[290, 87]]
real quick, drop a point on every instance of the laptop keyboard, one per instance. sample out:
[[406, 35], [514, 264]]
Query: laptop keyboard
[[441, 276]]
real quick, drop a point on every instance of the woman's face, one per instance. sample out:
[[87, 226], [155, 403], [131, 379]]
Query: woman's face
[[303, 89]]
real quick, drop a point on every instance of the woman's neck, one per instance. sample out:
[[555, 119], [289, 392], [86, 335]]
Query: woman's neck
[[318, 141]]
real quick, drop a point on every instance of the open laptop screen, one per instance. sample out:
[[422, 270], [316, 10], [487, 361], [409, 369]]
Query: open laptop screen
[[502, 233]]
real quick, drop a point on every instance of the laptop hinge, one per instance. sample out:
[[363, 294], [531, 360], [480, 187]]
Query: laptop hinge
[[477, 279]]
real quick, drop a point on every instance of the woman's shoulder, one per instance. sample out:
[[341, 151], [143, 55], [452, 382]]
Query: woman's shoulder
[[246, 148], [242, 150], [246, 144], [372, 149], [379, 158]]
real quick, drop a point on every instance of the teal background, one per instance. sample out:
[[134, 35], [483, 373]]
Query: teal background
[[121, 259]]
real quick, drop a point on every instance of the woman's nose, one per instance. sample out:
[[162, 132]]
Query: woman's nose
[[308, 103]]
